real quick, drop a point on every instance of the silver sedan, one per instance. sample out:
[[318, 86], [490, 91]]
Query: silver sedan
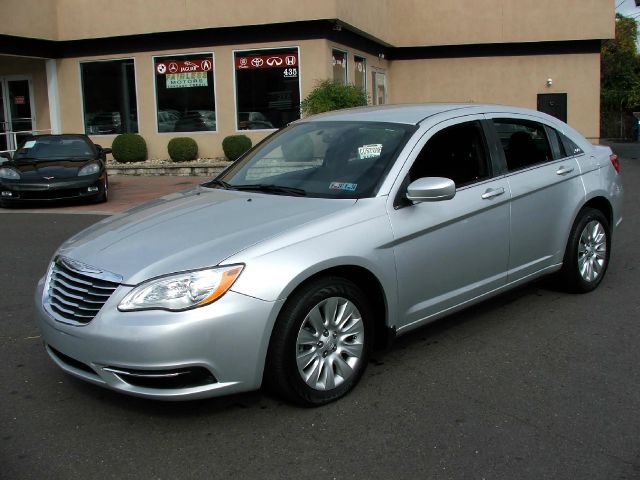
[[324, 242]]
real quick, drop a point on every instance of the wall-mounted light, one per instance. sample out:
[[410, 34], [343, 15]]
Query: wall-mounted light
[[381, 56], [549, 81]]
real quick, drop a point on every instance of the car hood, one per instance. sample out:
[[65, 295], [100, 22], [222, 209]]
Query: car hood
[[38, 169], [189, 230]]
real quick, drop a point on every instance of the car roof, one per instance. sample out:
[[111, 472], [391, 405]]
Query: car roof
[[411, 114]]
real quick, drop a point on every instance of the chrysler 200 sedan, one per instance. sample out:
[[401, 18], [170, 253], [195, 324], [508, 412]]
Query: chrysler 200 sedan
[[323, 242]]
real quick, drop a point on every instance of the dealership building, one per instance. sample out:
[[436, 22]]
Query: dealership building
[[211, 68]]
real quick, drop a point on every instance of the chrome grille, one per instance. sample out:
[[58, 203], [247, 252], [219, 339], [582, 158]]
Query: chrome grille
[[77, 291]]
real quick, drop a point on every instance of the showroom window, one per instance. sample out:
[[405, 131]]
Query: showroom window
[[339, 60], [185, 93], [267, 88], [109, 97], [360, 72]]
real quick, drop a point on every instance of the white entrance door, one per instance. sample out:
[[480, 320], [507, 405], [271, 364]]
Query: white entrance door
[[379, 88]]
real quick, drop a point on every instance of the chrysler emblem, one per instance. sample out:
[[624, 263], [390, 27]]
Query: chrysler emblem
[[48, 178]]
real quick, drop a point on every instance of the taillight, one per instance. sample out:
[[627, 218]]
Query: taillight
[[614, 161]]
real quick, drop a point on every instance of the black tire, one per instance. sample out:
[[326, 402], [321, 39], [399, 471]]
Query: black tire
[[104, 196], [570, 278], [282, 373]]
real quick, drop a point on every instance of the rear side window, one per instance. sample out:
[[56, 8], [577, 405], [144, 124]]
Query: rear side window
[[569, 145], [456, 152], [525, 143]]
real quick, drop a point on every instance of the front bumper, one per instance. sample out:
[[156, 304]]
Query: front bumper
[[32, 191], [228, 339]]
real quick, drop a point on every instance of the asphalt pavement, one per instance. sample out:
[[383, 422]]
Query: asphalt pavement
[[533, 384]]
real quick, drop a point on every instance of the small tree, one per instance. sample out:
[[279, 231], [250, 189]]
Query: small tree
[[329, 95]]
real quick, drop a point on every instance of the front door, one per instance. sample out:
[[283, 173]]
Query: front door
[[379, 88], [452, 251], [16, 111]]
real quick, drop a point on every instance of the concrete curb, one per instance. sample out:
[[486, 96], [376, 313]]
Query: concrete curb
[[192, 170]]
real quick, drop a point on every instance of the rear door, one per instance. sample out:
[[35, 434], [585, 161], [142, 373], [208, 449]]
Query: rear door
[[545, 188]]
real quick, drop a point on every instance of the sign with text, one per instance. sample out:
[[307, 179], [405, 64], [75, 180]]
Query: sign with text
[[280, 60], [186, 80], [169, 67]]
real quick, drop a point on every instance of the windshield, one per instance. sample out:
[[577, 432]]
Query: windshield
[[320, 159], [54, 148]]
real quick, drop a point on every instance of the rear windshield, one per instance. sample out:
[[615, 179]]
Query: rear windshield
[[321, 159], [54, 148]]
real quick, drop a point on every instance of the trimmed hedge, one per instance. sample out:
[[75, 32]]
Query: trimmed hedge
[[129, 147], [235, 145], [182, 149]]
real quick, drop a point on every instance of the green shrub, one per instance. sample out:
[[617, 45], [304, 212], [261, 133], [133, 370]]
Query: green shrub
[[235, 145], [182, 149], [329, 95], [129, 147]]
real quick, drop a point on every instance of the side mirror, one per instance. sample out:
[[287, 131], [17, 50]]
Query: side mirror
[[4, 156], [106, 151], [431, 189]]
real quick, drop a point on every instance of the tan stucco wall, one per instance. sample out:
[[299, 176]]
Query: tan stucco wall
[[315, 64], [397, 22], [505, 80], [34, 70], [438, 22]]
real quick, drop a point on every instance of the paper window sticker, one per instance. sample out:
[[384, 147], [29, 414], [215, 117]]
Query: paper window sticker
[[369, 151]]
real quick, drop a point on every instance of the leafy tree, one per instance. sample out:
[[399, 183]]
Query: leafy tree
[[329, 95], [620, 77]]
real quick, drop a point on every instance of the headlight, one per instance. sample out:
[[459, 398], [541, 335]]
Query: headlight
[[182, 291], [9, 173], [89, 169]]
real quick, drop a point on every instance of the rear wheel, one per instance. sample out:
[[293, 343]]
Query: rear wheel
[[321, 342], [587, 255]]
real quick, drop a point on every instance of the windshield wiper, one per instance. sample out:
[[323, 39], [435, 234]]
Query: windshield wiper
[[217, 183], [270, 188]]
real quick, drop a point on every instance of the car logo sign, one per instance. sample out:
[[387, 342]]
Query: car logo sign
[[257, 62], [48, 178]]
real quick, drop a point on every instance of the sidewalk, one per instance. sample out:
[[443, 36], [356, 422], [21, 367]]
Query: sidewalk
[[125, 191]]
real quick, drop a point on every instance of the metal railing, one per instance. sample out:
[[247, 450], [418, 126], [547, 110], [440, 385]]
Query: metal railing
[[12, 136]]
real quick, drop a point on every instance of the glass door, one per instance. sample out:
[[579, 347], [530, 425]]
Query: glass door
[[4, 144], [379, 88], [17, 112]]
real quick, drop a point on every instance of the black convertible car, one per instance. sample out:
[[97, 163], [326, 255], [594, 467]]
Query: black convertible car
[[54, 167]]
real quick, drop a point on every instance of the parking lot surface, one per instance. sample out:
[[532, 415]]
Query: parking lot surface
[[533, 384]]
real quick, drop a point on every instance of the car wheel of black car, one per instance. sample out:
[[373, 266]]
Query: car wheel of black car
[[321, 342], [104, 196], [587, 255]]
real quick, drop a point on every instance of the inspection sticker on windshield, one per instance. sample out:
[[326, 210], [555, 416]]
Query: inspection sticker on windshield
[[29, 144], [369, 151], [350, 187]]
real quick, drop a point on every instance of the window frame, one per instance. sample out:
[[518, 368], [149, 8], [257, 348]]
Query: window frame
[[82, 103], [155, 90], [235, 84], [346, 64]]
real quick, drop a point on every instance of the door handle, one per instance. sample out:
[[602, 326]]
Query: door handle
[[492, 192], [564, 170]]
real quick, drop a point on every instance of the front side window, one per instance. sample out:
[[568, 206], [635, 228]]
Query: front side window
[[321, 159], [339, 61], [109, 97], [185, 94], [458, 152], [525, 143], [267, 88]]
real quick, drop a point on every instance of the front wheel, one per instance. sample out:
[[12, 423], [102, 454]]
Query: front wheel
[[587, 255], [321, 342]]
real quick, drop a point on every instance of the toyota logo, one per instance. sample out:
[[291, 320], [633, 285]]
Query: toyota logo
[[274, 61], [257, 62]]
